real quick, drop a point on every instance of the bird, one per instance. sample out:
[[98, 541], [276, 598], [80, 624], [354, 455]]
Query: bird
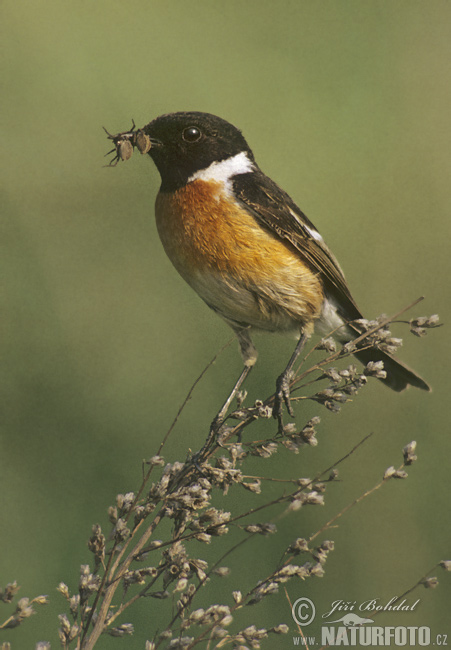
[[246, 248]]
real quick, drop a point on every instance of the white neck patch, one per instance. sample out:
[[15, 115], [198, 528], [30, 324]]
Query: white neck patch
[[223, 171]]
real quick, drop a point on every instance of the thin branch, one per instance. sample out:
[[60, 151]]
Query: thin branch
[[352, 504], [190, 392]]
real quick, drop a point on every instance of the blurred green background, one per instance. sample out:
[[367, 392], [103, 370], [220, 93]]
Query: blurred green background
[[347, 106]]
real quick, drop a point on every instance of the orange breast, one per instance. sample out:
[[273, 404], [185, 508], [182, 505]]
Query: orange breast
[[204, 233]]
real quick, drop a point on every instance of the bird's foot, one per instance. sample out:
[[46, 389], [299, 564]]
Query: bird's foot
[[214, 435], [217, 423], [282, 396]]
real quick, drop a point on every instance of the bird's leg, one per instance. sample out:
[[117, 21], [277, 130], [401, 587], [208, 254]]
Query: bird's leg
[[219, 418], [249, 354], [282, 394]]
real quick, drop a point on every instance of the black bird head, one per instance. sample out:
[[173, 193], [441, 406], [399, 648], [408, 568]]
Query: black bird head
[[187, 142]]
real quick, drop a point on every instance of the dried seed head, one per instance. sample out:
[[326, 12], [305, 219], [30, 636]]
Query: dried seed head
[[24, 609], [292, 445], [96, 543], [349, 348], [389, 472], [265, 411], [314, 499], [237, 596], [62, 637], [332, 406], [262, 590], [350, 372], [375, 369], [88, 584], [319, 487], [125, 501], [446, 564], [64, 590], [391, 345], [418, 331], [300, 545], [218, 632], [112, 514], [74, 605], [280, 629], [320, 555], [240, 397], [251, 633], [264, 449], [181, 584], [155, 544], [237, 452], [197, 615], [285, 573], [217, 613], [222, 571], [328, 545], [409, 453], [180, 643], [333, 374], [65, 624], [419, 326], [308, 433], [400, 473], [7, 594], [122, 630], [155, 460], [317, 570], [261, 529], [327, 344], [305, 498], [253, 487], [430, 583], [433, 321], [121, 531]]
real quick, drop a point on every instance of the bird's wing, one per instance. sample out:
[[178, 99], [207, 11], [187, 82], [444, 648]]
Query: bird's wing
[[275, 210]]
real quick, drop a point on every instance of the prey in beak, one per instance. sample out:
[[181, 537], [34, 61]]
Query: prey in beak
[[125, 142]]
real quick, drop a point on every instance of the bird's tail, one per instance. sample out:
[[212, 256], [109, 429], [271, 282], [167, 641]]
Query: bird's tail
[[399, 376]]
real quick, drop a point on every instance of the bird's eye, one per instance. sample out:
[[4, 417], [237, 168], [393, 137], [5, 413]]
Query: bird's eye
[[191, 134]]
